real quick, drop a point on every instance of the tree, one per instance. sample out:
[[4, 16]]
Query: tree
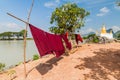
[[118, 2], [69, 17], [118, 36], [16, 34], [2, 36], [6, 35], [21, 33]]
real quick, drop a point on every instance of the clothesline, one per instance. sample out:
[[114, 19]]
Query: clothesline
[[48, 43], [18, 18], [46, 47]]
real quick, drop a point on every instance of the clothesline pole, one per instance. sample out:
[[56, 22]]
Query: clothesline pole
[[17, 18], [25, 35], [27, 23]]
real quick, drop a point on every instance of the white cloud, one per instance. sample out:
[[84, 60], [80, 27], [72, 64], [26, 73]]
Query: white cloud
[[115, 28], [74, 1], [10, 27], [85, 1], [52, 4], [91, 3], [49, 4], [100, 14], [57, 1], [103, 11]]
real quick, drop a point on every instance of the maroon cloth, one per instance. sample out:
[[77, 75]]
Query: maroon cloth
[[78, 38], [56, 44], [67, 43], [46, 42], [41, 40]]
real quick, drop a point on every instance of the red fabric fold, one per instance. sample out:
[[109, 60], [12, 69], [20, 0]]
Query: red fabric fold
[[78, 38], [56, 44], [67, 43], [46, 42]]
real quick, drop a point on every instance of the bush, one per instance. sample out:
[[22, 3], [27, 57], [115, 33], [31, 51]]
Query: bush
[[35, 57], [95, 40], [2, 65], [91, 35], [85, 37]]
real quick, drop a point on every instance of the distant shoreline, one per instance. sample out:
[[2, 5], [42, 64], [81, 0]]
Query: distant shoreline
[[14, 39]]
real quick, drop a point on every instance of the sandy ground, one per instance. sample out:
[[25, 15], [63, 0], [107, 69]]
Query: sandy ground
[[87, 62]]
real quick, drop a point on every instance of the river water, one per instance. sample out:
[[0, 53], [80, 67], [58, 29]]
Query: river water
[[11, 52]]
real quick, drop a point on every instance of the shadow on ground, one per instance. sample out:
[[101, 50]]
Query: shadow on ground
[[43, 68], [105, 65]]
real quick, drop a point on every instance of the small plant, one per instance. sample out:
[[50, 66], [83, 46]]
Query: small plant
[[95, 40], [35, 57], [11, 74], [2, 66], [85, 37]]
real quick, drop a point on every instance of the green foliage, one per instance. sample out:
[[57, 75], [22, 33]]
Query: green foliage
[[8, 35], [92, 38], [69, 17], [2, 66], [35, 57], [21, 33], [72, 37], [56, 30], [118, 3], [95, 40], [85, 37], [91, 35], [118, 37]]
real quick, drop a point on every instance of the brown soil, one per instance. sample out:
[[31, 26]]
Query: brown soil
[[88, 62]]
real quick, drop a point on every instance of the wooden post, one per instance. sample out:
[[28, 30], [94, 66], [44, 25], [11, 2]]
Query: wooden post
[[27, 23], [28, 18], [24, 40], [17, 18]]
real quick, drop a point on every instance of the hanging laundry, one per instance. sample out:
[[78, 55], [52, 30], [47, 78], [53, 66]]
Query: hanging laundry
[[67, 43], [47, 43], [56, 44], [66, 34], [41, 40], [78, 38]]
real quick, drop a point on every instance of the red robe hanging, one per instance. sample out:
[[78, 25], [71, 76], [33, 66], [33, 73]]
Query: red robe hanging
[[46, 42], [67, 43], [78, 38]]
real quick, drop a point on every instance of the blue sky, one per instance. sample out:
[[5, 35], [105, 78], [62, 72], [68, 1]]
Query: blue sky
[[101, 12]]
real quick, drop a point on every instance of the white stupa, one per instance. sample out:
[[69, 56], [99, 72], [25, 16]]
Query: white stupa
[[104, 33]]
